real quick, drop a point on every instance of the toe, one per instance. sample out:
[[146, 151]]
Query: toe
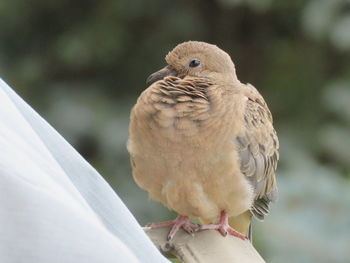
[[237, 234]]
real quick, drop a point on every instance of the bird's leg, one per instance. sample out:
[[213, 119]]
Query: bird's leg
[[180, 222], [223, 227]]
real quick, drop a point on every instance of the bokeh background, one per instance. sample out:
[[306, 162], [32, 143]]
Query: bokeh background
[[81, 64]]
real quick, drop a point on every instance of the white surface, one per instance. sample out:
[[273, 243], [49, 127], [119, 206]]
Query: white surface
[[54, 207]]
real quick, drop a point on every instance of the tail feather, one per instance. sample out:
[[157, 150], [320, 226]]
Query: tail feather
[[250, 233], [260, 208]]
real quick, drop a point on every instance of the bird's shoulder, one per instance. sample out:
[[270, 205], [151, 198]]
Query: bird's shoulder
[[256, 106], [167, 101], [175, 87], [172, 91]]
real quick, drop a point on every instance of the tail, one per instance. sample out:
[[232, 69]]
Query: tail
[[250, 233], [243, 224]]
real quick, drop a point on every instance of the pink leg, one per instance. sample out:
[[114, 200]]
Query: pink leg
[[180, 222], [223, 227]]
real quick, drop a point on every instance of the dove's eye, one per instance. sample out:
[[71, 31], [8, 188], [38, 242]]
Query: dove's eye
[[194, 63]]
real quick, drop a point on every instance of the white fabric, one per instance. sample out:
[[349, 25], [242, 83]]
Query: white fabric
[[54, 207]]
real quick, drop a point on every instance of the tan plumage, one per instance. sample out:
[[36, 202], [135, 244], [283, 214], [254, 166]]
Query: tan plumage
[[201, 142]]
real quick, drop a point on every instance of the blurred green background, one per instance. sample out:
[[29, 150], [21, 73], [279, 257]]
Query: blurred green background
[[82, 64]]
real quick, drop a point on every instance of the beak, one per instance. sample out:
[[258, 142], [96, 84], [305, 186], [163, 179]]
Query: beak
[[161, 74]]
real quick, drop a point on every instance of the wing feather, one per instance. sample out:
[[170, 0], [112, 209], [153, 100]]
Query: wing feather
[[258, 151]]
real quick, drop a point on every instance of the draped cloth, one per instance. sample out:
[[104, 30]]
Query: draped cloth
[[54, 206]]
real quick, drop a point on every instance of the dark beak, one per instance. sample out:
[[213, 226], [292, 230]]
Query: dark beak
[[161, 74]]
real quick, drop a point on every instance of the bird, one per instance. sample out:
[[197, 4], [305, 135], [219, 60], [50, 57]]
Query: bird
[[203, 144]]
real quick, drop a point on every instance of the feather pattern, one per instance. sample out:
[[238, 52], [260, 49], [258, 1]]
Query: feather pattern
[[258, 150]]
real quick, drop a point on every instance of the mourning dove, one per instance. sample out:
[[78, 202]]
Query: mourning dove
[[202, 143]]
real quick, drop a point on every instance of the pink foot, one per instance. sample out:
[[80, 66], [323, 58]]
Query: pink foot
[[223, 227], [180, 222]]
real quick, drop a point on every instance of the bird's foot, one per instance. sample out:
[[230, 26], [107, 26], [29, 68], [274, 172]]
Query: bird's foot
[[223, 227], [224, 230], [180, 222]]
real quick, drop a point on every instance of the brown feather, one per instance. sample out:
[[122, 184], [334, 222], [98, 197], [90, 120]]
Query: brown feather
[[258, 149]]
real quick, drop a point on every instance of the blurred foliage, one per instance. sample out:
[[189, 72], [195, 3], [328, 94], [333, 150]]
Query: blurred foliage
[[82, 64]]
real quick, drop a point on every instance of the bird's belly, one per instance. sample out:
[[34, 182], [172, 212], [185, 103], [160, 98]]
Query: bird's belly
[[184, 155], [191, 179]]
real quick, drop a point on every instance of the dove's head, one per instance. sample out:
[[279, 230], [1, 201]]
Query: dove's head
[[197, 59]]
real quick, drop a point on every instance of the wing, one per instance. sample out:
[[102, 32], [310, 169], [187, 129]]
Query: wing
[[258, 150]]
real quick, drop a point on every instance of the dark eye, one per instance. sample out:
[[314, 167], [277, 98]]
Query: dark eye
[[194, 63]]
